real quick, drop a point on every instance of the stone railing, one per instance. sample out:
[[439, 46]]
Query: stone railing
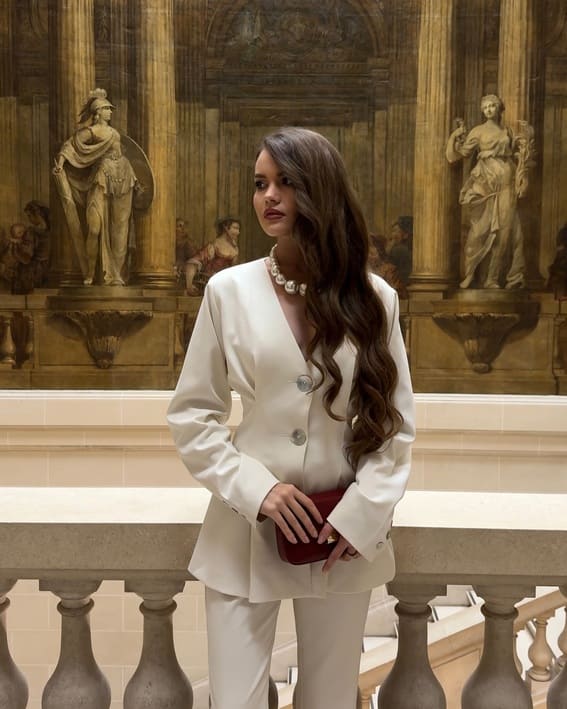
[[71, 539]]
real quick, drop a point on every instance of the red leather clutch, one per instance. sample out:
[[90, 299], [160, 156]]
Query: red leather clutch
[[309, 552]]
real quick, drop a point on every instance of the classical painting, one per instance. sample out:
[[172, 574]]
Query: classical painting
[[129, 131]]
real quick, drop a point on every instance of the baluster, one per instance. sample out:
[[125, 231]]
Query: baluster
[[13, 685], [29, 346], [411, 683], [496, 684], [540, 653], [364, 699], [557, 695], [517, 660], [158, 682], [77, 680], [7, 346], [562, 643]]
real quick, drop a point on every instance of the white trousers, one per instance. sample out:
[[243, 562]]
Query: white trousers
[[329, 643]]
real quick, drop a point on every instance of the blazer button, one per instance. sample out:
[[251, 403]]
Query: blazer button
[[388, 534], [304, 383], [298, 437], [379, 545]]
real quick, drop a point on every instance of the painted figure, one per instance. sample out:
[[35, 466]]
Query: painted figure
[[214, 256], [16, 254], [494, 247], [184, 250], [96, 183], [39, 226]]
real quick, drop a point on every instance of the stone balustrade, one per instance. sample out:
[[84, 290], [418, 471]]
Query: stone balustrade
[[73, 538]]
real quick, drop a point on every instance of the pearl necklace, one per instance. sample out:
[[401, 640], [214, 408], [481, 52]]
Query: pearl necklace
[[291, 287]]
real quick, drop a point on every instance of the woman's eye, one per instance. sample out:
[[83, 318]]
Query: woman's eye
[[287, 182], [259, 184]]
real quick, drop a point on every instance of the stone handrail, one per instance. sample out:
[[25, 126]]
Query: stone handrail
[[73, 538]]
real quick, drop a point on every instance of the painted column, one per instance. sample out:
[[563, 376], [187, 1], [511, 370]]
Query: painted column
[[72, 75], [191, 115], [154, 126], [401, 113], [520, 77], [9, 186], [434, 186]]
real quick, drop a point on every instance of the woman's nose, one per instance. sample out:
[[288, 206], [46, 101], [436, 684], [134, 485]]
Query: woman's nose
[[272, 194]]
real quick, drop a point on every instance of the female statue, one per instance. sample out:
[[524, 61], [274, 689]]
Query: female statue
[[96, 183], [494, 247]]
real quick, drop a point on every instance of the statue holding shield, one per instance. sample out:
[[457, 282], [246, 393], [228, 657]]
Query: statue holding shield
[[99, 188]]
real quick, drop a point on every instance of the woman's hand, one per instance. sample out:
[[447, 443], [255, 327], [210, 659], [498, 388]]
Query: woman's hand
[[291, 509], [343, 551]]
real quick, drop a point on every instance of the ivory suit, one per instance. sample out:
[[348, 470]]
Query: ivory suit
[[242, 341]]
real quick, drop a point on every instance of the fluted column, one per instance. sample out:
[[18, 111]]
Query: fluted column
[[77, 680], [401, 112], [159, 681], [72, 76], [496, 684], [120, 44], [191, 45], [411, 683], [520, 85], [434, 191], [9, 185], [153, 120], [13, 685]]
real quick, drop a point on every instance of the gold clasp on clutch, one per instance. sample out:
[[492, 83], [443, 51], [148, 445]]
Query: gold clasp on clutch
[[332, 538]]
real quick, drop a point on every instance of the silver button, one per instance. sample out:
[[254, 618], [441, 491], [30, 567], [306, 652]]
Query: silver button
[[304, 383], [379, 545], [298, 437]]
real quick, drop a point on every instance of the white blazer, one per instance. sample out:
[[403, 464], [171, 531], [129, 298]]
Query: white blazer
[[242, 341]]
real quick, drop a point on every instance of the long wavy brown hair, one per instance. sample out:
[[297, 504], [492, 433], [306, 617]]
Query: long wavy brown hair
[[340, 300]]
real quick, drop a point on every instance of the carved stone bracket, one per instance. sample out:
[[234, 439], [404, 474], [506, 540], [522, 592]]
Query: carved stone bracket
[[102, 330], [482, 328]]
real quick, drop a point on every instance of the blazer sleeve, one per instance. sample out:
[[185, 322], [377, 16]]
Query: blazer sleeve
[[197, 417], [365, 512]]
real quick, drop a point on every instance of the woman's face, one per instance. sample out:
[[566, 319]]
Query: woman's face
[[490, 108], [233, 231], [274, 198]]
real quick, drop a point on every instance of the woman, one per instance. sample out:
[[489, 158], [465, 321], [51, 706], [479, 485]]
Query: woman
[[311, 343], [214, 256], [494, 247], [99, 180]]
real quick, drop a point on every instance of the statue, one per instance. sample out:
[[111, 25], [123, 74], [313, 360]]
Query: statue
[[97, 185], [494, 247], [214, 256]]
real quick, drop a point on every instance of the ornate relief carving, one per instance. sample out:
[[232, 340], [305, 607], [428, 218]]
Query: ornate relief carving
[[327, 31], [101, 330], [481, 334], [483, 326]]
